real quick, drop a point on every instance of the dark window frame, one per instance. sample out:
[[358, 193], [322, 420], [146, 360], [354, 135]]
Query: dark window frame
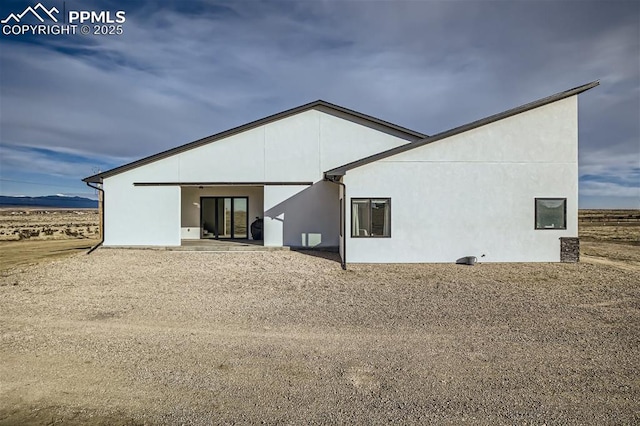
[[369, 199], [535, 214]]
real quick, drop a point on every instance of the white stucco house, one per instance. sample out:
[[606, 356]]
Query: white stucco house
[[502, 189]]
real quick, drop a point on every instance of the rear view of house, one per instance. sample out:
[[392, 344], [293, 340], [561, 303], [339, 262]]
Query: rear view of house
[[503, 189]]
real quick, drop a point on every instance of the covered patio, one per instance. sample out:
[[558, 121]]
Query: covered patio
[[220, 212]]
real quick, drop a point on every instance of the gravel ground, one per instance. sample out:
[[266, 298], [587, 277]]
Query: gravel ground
[[157, 337]]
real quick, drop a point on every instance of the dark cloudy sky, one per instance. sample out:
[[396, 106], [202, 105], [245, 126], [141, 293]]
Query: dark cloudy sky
[[182, 70]]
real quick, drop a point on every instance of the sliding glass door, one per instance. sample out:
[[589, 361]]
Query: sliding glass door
[[240, 217], [224, 217]]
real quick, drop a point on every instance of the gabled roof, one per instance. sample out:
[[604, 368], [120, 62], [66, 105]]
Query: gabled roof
[[97, 178], [342, 170]]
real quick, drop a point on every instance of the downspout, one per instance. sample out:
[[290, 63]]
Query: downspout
[[101, 219], [343, 260]]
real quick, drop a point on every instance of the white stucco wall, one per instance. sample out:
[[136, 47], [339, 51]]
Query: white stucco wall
[[302, 216], [140, 216], [473, 194], [344, 139], [295, 149]]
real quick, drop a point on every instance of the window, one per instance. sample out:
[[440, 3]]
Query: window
[[371, 217], [551, 213]]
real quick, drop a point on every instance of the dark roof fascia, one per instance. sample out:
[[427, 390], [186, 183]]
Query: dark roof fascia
[[342, 170], [97, 178], [371, 119]]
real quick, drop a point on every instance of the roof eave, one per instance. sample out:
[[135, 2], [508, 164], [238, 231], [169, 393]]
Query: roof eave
[[93, 179]]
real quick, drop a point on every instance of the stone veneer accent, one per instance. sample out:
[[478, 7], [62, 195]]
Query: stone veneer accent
[[569, 249]]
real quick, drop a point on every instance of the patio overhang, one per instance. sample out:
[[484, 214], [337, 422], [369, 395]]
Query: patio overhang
[[203, 184]]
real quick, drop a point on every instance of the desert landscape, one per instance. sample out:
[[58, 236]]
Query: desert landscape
[[31, 235], [167, 337], [620, 226], [36, 224]]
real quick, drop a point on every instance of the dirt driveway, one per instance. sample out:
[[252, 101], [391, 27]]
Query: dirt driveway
[[156, 337]]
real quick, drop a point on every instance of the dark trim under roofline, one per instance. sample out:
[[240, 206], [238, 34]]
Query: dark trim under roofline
[[342, 170], [97, 178], [221, 183]]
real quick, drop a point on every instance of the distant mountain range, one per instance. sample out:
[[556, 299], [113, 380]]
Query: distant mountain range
[[56, 201]]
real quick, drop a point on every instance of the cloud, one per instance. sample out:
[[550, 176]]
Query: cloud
[[185, 70], [49, 162], [609, 189]]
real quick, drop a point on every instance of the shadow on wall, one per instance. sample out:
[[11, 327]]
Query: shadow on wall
[[311, 218]]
